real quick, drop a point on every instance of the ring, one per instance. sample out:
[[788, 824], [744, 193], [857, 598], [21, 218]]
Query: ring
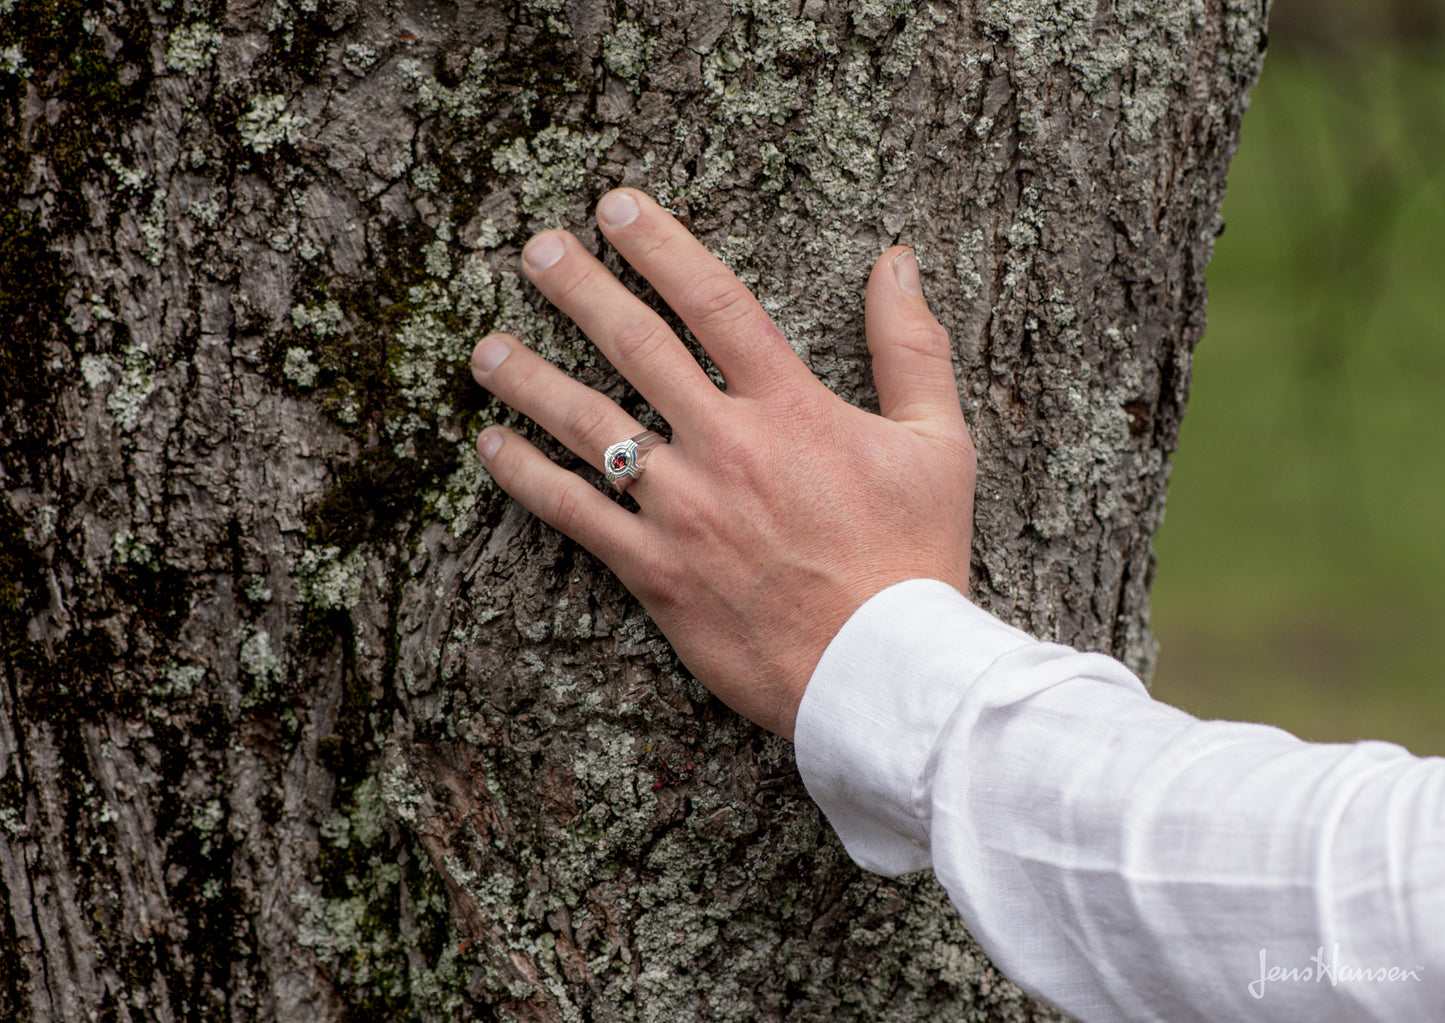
[[624, 460]]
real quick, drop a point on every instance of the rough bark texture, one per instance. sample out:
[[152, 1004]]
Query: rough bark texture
[[300, 718]]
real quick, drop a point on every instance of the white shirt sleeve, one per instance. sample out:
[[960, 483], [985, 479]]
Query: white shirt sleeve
[[1114, 855]]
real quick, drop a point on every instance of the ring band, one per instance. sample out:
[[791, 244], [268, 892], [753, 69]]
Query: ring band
[[625, 460]]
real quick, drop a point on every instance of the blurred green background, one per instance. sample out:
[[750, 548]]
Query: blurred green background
[[1301, 575]]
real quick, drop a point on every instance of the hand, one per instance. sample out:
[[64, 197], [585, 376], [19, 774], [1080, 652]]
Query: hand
[[778, 508]]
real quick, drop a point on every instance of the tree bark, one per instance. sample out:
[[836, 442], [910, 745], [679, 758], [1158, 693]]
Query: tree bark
[[301, 719]]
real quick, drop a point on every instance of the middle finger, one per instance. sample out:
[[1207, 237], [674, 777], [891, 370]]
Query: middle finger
[[633, 337]]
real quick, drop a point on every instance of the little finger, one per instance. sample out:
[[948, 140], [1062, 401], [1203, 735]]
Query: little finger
[[564, 500]]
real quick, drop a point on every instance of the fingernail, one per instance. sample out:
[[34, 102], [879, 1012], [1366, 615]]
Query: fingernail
[[488, 443], [490, 354], [617, 209], [543, 251], [905, 268]]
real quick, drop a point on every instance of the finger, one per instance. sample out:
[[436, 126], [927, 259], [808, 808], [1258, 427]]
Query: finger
[[584, 420], [912, 357], [737, 333], [563, 500], [632, 336]]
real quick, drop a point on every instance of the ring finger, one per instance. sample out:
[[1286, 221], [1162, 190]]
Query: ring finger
[[582, 419]]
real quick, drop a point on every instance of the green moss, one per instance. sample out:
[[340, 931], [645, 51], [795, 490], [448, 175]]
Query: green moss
[[511, 90], [199, 857], [29, 316], [66, 64], [67, 60], [299, 369], [159, 592], [386, 355], [302, 29], [134, 383], [375, 491], [20, 575], [378, 916], [260, 662]]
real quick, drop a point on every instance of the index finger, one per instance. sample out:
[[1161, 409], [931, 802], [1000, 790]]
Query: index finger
[[737, 333]]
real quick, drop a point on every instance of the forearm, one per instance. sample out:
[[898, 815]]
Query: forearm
[[1113, 854]]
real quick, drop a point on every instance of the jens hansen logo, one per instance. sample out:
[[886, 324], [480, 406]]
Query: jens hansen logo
[[1334, 969]]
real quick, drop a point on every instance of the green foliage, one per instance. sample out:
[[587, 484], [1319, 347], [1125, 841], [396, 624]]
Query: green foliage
[[1302, 559], [1342, 24]]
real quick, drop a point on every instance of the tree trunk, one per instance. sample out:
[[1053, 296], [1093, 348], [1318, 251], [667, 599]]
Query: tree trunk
[[301, 719]]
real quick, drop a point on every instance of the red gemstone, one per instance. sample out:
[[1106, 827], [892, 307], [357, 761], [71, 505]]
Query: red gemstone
[[619, 462]]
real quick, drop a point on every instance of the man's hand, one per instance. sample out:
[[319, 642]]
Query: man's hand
[[778, 508]]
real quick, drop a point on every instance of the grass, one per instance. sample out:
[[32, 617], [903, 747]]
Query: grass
[[1302, 561]]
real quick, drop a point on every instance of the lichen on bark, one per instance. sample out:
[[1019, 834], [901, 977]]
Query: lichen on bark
[[300, 717]]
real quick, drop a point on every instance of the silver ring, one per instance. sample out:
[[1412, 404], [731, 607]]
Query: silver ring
[[626, 459]]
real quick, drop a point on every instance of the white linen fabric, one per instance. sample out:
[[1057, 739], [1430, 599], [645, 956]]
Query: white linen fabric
[[1114, 855]]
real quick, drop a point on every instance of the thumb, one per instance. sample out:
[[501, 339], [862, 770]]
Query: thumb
[[912, 357]]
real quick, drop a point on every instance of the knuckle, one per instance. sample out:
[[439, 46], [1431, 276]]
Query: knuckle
[[639, 337], [562, 508], [969, 453], [935, 336], [655, 247], [804, 412], [656, 581], [571, 282], [716, 298], [585, 422], [734, 454], [690, 509], [929, 340], [731, 450], [526, 378], [960, 444], [952, 436]]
